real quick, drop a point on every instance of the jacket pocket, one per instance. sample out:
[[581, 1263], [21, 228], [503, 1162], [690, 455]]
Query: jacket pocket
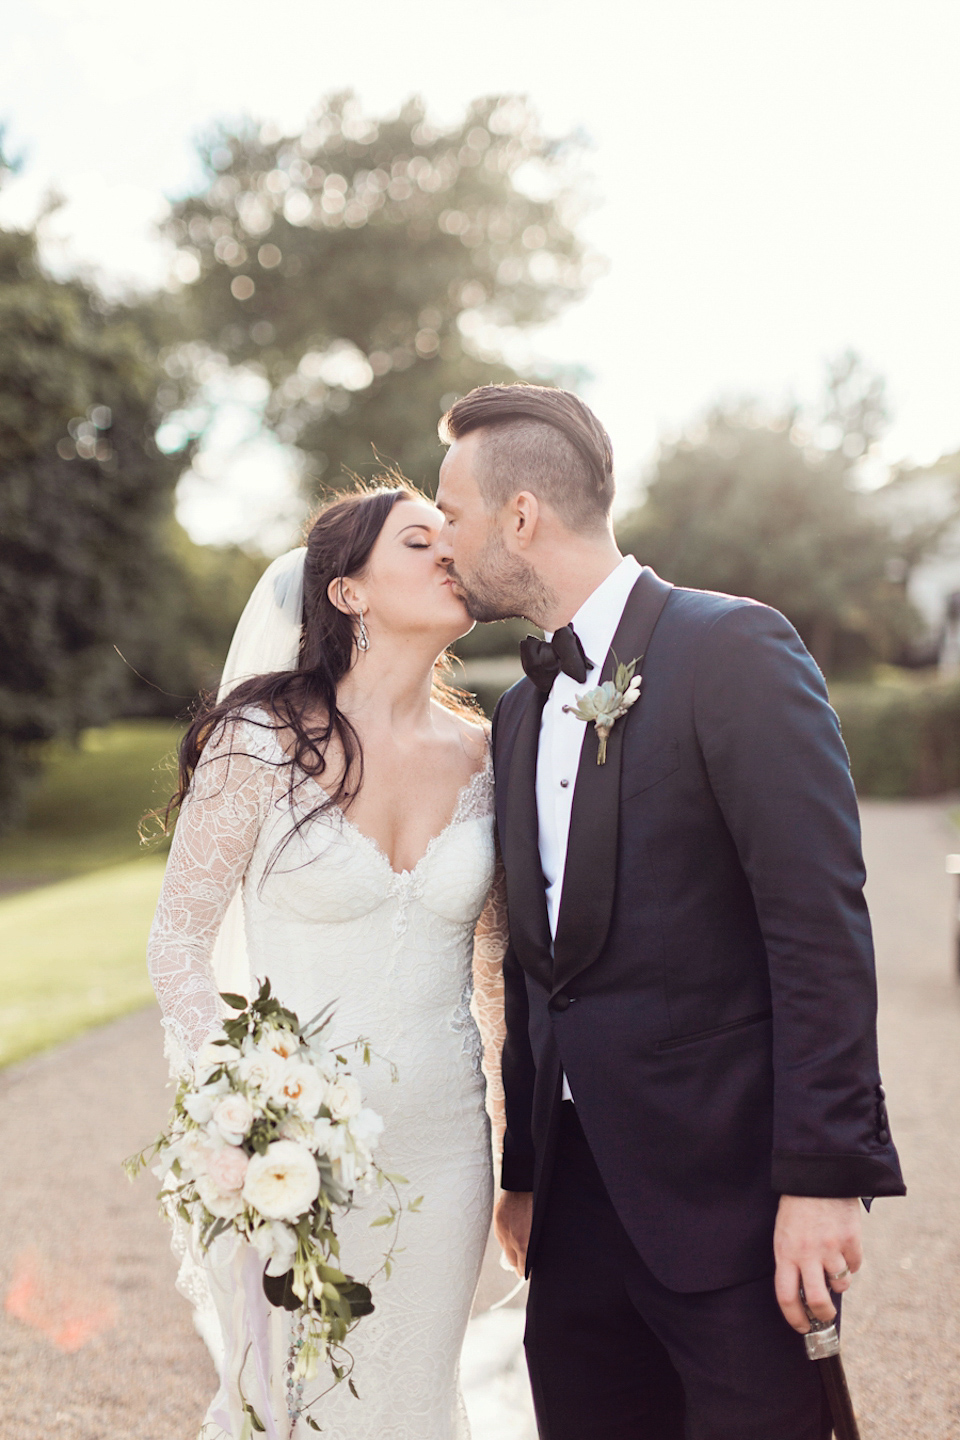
[[728, 1029], [651, 771]]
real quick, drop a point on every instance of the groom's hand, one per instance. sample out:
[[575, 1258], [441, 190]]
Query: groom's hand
[[511, 1225], [814, 1240]]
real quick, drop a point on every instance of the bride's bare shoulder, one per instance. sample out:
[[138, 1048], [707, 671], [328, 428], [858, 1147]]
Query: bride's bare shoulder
[[473, 733]]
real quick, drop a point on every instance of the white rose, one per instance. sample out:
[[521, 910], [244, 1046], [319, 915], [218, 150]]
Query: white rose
[[367, 1127], [225, 1204], [344, 1097], [301, 1088], [262, 1069], [283, 1183], [233, 1118]]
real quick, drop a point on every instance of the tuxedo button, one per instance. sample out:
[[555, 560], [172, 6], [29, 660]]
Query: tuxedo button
[[561, 1002], [883, 1136], [881, 1093]]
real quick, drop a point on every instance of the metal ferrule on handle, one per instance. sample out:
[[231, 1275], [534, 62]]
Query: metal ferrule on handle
[[822, 1342]]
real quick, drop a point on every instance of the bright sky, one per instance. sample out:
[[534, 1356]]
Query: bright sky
[[773, 182]]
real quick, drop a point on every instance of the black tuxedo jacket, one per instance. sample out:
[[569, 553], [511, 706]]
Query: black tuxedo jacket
[[711, 991]]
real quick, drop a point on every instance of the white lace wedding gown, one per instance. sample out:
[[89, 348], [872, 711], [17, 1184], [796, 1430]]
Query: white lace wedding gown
[[328, 919]]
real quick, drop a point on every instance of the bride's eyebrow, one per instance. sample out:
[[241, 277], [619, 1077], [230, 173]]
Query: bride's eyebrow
[[417, 526]]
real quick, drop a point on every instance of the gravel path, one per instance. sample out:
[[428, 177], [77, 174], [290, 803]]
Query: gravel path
[[902, 1320], [96, 1345]]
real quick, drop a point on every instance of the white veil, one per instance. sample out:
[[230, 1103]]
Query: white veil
[[267, 638]]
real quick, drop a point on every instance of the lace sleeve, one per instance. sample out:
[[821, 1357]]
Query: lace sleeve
[[214, 839], [490, 942]]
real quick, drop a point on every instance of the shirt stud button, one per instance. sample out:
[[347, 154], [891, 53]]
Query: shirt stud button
[[564, 784]]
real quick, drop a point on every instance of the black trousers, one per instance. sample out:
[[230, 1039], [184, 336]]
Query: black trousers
[[615, 1355]]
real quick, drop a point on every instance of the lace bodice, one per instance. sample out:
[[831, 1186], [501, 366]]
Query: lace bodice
[[411, 961], [322, 892]]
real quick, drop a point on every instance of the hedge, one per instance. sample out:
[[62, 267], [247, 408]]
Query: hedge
[[902, 733]]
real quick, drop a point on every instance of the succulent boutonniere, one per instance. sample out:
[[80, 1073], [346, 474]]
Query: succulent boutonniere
[[605, 704]]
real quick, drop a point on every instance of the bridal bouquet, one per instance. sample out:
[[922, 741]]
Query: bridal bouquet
[[270, 1139]]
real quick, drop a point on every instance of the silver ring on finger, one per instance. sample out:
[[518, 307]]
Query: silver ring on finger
[[842, 1274]]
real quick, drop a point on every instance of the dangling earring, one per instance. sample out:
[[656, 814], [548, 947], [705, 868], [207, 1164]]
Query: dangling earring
[[363, 639]]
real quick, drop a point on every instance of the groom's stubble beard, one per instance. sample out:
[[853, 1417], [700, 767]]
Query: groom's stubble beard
[[503, 586]]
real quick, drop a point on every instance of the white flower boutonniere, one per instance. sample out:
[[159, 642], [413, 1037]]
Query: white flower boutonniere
[[605, 704]]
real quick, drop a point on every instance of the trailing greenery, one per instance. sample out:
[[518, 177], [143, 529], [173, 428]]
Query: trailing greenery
[[902, 733]]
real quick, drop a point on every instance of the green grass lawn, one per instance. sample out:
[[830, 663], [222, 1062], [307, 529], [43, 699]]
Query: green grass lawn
[[87, 805], [72, 955], [72, 947]]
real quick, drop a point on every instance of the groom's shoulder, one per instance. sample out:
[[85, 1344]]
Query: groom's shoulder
[[700, 610], [709, 622]]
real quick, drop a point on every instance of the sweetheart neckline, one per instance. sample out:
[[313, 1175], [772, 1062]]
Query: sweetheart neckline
[[434, 840], [480, 773]]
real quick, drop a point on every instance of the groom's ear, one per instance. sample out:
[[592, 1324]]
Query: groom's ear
[[523, 518]]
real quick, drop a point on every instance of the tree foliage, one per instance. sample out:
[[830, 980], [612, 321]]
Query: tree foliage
[[774, 509], [369, 267], [91, 560]]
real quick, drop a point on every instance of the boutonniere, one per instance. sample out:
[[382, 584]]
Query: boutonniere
[[605, 704]]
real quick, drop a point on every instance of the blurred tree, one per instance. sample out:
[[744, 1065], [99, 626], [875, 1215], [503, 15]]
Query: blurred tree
[[368, 268], [87, 561], [753, 506]]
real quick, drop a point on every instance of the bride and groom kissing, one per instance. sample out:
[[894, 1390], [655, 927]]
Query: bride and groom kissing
[[656, 892]]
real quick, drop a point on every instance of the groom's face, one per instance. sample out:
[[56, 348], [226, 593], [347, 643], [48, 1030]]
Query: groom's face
[[494, 581]]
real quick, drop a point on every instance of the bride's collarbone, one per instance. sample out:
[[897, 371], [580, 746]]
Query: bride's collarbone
[[408, 798]]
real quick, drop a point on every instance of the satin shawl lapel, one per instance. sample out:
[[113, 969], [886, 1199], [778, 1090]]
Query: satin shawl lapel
[[590, 873], [520, 841]]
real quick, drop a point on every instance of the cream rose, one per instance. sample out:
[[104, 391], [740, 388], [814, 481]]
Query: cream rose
[[344, 1098], [276, 1244], [233, 1117], [283, 1183]]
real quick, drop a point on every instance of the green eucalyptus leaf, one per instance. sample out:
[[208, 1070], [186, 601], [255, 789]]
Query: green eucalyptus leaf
[[236, 1002]]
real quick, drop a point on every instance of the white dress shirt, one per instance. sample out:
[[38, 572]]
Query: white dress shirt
[[562, 735]]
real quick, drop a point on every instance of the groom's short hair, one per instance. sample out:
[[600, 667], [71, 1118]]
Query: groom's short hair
[[540, 439]]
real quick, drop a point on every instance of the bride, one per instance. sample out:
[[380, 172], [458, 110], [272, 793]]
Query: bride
[[346, 796]]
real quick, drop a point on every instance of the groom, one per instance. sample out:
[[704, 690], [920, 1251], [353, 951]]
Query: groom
[[692, 1090]]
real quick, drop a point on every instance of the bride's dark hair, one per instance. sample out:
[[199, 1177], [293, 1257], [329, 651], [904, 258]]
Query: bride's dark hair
[[303, 702]]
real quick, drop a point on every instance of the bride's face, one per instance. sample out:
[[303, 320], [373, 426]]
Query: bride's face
[[405, 589]]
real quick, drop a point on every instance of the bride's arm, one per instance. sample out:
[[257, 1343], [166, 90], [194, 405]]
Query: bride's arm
[[490, 942], [214, 839]]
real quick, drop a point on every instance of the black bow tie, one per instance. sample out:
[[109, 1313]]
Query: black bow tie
[[544, 659]]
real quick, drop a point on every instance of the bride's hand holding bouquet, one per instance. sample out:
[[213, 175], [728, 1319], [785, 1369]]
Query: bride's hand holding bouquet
[[269, 1138]]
